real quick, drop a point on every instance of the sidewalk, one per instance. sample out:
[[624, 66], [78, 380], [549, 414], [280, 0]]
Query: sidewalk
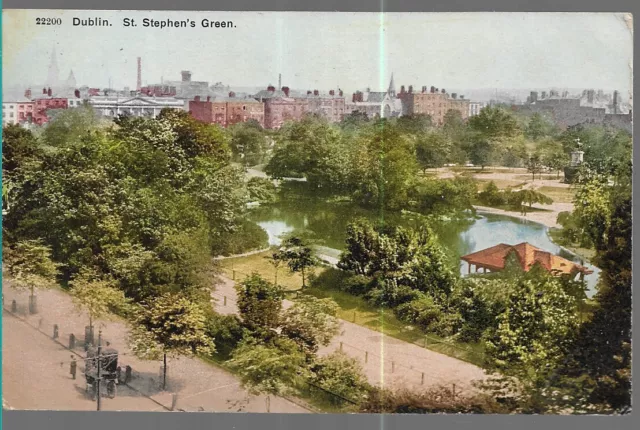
[[35, 379], [387, 361]]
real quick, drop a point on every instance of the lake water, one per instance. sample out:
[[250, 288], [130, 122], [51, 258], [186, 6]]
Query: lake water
[[328, 222]]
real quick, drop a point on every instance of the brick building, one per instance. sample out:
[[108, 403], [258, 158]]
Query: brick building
[[281, 106], [331, 106], [45, 102], [227, 111], [17, 111], [435, 103]]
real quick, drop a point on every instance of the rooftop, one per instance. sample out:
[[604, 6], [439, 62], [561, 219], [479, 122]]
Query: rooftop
[[494, 259]]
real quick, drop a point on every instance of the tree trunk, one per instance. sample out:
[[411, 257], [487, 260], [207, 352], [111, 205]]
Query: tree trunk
[[164, 372], [33, 306], [303, 284]]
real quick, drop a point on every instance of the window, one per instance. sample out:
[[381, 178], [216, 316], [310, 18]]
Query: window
[[10, 106], [244, 108], [11, 115]]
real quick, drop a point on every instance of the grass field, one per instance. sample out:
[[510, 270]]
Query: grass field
[[500, 183], [259, 263], [559, 195]]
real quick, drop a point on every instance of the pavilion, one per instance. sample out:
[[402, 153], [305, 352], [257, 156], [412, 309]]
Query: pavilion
[[494, 259]]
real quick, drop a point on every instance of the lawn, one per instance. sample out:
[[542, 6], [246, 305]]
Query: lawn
[[241, 267], [500, 183], [558, 194], [357, 310]]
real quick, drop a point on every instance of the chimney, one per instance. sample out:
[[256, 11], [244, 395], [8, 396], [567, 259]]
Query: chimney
[[316, 92], [208, 99], [410, 88], [77, 93], [285, 90], [196, 98], [433, 89], [616, 101], [231, 94], [454, 95], [443, 91], [340, 93], [332, 93], [401, 89], [353, 97], [186, 76], [27, 94], [271, 88], [49, 92], [424, 89], [308, 92], [44, 91], [461, 96]]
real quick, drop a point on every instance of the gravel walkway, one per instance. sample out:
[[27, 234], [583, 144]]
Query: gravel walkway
[[387, 361], [35, 379]]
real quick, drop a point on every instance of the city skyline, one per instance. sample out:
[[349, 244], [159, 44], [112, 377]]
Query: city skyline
[[457, 51]]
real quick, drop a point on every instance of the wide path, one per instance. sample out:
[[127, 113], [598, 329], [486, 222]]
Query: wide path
[[36, 368], [387, 361]]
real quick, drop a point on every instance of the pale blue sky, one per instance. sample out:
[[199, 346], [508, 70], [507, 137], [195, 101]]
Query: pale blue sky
[[326, 50]]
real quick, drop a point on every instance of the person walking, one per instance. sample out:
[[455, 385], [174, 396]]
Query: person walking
[[74, 367]]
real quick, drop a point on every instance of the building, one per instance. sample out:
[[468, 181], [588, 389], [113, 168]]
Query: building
[[187, 89], [331, 106], [590, 107], [495, 258], [44, 104], [17, 111], [376, 104], [475, 108], [281, 106], [159, 90], [226, 111], [112, 106], [435, 103]]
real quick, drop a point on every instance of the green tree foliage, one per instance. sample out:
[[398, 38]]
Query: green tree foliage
[[298, 254], [261, 190], [432, 150], [30, 266], [342, 375], [259, 303], [539, 127], [482, 153], [275, 368], [19, 146], [169, 325], [530, 197], [311, 322], [553, 155], [535, 327], [249, 143], [534, 165], [494, 123], [416, 124], [97, 297]]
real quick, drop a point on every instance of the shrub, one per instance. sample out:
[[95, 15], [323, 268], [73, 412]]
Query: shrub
[[341, 375], [261, 190], [492, 196], [249, 236], [422, 311], [433, 400], [357, 285], [226, 331]]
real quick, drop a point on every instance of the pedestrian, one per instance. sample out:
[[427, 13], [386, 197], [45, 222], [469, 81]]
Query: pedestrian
[[74, 366]]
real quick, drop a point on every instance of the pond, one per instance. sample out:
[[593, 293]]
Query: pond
[[328, 222]]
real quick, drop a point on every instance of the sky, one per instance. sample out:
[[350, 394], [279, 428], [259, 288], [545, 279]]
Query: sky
[[320, 50]]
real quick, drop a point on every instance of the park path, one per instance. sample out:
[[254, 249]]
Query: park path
[[36, 368], [386, 361]]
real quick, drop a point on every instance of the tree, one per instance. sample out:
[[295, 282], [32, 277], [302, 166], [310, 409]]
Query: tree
[[416, 124], [311, 322], [96, 296], [530, 197], [494, 123], [534, 165], [19, 146], [30, 266], [534, 329], [276, 368], [538, 127], [481, 153], [340, 375], [299, 256], [249, 143], [259, 303], [553, 155], [169, 325], [432, 150]]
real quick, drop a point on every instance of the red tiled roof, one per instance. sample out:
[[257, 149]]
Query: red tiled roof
[[494, 259]]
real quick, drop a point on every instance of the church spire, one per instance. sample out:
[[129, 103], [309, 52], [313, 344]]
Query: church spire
[[53, 73], [392, 87]]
